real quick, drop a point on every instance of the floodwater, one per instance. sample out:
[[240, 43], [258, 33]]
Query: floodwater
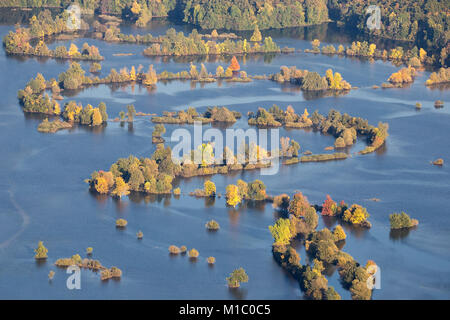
[[43, 195]]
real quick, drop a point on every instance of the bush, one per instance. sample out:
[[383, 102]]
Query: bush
[[212, 225], [140, 235], [183, 249], [174, 249], [121, 223], [89, 250], [193, 254], [41, 251], [401, 220], [236, 277], [211, 260]]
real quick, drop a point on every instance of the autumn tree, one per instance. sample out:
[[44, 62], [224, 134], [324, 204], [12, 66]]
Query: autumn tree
[[232, 195], [299, 205], [121, 188], [236, 278], [281, 232], [234, 65], [339, 233], [256, 36], [329, 207], [101, 185], [41, 251], [209, 188]]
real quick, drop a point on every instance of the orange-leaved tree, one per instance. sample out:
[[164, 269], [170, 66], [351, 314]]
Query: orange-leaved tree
[[234, 65]]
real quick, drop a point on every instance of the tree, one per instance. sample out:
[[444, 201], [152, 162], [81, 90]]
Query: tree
[[236, 277], [234, 65], [339, 233], [299, 205], [41, 251], [256, 36], [131, 112], [73, 50], [281, 232], [232, 195], [329, 207], [121, 188], [96, 117], [356, 214], [256, 190], [101, 185], [102, 108], [315, 44], [136, 8], [220, 72], [210, 188]]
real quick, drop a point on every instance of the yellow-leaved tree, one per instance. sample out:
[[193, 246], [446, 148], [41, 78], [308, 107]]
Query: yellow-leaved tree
[[73, 50], [101, 185], [281, 231], [210, 188], [121, 188], [136, 8], [97, 117], [232, 195]]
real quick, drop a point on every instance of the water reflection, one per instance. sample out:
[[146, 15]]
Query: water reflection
[[400, 234], [238, 293]]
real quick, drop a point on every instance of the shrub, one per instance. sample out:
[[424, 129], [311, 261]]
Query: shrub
[[177, 191], [438, 162], [41, 251], [193, 254], [89, 250], [212, 225], [140, 235], [174, 249], [51, 274], [236, 277], [183, 249], [121, 223], [211, 260], [401, 220]]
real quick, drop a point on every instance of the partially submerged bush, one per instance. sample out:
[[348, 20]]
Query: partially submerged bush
[[212, 225], [236, 277], [140, 235], [193, 254], [438, 162], [41, 251], [174, 249], [402, 220], [89, 250], [121, 223], [211, 260]]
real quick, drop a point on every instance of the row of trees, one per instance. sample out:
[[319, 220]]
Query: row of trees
[[276, 117], [177, 44], [189, 116], [245, 14], [86, 116], [312, 81], [18, 42]]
